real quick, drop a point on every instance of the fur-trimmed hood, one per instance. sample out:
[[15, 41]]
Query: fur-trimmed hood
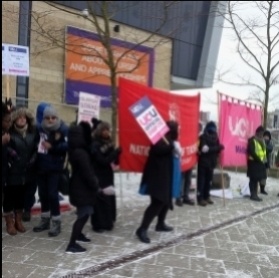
[[27, 113]]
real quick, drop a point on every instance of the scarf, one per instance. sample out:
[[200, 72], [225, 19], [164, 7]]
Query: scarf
[[21, 130], [49, 127]]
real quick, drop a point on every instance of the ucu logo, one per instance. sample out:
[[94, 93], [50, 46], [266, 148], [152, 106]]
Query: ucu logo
[[241, 127], [148, 117]]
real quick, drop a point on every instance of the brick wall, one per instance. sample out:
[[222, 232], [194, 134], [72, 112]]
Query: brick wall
[[46, 81]]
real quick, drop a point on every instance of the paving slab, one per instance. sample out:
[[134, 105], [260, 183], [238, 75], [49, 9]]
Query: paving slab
[[199, 245]]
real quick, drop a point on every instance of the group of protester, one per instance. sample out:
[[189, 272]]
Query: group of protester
[[35, 152], [33, 156]]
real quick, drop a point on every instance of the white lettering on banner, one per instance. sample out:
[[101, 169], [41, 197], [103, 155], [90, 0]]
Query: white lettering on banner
[[93, 59], [139, 150], [242, 128], [99, 71], [78, 67], [190, 150]]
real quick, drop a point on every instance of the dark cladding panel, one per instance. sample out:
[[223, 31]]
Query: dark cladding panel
[[79, 5], [186, 25], [186, 59]]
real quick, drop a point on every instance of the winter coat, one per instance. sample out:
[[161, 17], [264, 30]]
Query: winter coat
[[210, 158], [256, 169], [22, 160], [158, 172], [103, 155], [83, 183], [269, 149], [53, 160], [277, 159], [5, 164]]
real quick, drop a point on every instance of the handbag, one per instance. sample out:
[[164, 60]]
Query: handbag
[[64, 180]]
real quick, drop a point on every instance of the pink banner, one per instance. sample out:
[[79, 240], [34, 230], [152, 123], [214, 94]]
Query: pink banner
[[238, 121]]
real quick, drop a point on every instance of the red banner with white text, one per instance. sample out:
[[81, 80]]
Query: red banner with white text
[[135, 144]]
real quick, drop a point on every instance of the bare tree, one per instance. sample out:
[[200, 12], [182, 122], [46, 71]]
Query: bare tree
[[100, 15], [257, 44]]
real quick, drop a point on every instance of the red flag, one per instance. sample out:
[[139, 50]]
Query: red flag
[[135, 144]]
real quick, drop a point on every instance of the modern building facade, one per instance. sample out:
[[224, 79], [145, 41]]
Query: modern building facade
[[184, 55]]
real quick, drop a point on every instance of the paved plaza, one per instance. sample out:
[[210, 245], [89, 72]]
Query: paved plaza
[[240, 239]]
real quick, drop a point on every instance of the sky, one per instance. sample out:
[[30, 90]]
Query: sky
[[229, 59]]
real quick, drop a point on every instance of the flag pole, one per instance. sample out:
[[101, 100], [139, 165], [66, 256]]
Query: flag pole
[[222, 170]]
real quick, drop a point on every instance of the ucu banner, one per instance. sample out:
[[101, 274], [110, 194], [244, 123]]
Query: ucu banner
[[238, 121], [141, 110]]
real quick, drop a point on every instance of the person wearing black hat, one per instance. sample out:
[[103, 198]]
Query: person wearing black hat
[[157, 183], [269, 149], [208, 152], [256, 162]]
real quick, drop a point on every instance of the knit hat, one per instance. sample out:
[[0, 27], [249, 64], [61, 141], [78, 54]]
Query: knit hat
[[260, 129], [40, 112], [211, 126], [100, 127], [50, 111], [268, 134]]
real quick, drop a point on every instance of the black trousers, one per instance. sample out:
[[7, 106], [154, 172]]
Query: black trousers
[[156, 208], [253, 186], [13, 198], [205, 176]]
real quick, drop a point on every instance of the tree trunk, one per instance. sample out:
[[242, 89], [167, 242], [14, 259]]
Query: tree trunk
[[114, 107], [265, 112]]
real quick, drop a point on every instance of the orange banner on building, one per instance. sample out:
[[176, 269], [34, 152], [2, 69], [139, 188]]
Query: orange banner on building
[[84, 60]]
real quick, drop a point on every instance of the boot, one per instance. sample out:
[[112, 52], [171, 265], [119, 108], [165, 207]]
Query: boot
[[10, 224], [209, 201], [162, 227], [43, 225], [179, 202], [55, 229], [142, 235], [254, 194], [18, 221], [263, 190], [202, 203], [26, 217]]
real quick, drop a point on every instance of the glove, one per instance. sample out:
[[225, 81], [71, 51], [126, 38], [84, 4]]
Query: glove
[[205, 149], [109, 191]]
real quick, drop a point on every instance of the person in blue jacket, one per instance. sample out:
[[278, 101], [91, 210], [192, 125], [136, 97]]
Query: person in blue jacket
[[52, 151]]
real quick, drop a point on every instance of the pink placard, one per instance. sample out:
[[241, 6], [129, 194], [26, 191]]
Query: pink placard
[[238, 122]]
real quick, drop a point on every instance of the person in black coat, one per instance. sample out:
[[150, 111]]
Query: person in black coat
[[269, 149], [22, 170], [83, 183], [256, 163], [6, 124], [208, 152], [157, 183], [104, 154]]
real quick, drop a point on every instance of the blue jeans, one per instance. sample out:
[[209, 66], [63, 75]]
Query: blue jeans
[[48, 193]]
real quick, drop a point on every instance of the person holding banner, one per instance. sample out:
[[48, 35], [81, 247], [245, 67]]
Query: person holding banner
[[269, 149], [208, 152], [256, 169], [157, 182]]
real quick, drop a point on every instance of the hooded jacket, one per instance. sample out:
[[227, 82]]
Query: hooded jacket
[[83, 183], [210, 139], [22, 150], [269, 147]]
